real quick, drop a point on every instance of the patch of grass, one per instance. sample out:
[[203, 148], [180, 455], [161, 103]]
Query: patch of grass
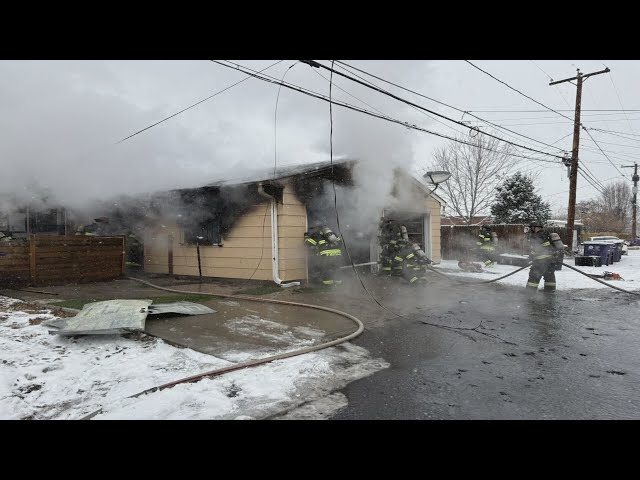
[[310, 290], [262, 290], [182, 298], [79, 303]]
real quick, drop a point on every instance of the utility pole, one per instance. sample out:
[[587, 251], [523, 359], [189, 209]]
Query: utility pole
[[573, 174], [635, 178]]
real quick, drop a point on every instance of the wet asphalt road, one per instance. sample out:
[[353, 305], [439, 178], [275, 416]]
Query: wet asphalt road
[[576, 356]]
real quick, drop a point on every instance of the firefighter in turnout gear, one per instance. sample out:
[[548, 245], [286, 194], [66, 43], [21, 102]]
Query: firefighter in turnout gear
[[391, 237], [546, 253], [415, 261], [400, 256], [326, 254], [486, 246]]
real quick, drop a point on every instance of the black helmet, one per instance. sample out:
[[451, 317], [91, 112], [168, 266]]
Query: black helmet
[[535, 223]]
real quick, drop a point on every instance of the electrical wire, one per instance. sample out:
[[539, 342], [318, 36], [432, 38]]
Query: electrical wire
[[335, 204], [621, 106], [594, 141], [554, 117], [195, 104], [516, 90], [465, 112], [313, 63], [311, 93], [557, 109], [589, 173], [499, 127], [275, 163], [614, 131]]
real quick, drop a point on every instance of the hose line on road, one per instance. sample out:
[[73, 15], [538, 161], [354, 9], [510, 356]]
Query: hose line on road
[[600, 281], [450, 277], [252, 363]]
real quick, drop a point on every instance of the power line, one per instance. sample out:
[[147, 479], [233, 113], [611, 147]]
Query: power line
[[590, 174], [550, 78], [311, 93], [313, 63], [554, 117], [344, 65], [594, 141], [557, 110], [616, 133], [417, 109], [335, 202], [620, 101], [191, 106], [516, 90], [563, 123]]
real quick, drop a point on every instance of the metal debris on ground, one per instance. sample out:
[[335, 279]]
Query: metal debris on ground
[[119, 316], [185, 308]]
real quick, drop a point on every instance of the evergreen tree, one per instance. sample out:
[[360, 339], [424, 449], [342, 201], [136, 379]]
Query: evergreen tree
[[517, 202]]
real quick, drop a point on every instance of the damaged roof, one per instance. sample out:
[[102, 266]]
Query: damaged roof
[[308, 169]]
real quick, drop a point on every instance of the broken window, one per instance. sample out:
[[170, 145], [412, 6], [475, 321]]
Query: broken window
[[209, 232]]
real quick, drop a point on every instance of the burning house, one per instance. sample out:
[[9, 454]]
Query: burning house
[[253, 227]]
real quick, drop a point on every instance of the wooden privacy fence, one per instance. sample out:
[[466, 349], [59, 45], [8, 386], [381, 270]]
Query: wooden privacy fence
[[57, 259], [458, 240]]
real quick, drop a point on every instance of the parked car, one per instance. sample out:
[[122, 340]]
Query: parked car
[[625, 248], [634, 243]]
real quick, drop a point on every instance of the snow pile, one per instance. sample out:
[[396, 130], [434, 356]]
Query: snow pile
[[53, 377]]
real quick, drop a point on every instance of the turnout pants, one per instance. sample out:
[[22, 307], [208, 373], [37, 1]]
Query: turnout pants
[[324, 269], [540, 269], [487, 255]]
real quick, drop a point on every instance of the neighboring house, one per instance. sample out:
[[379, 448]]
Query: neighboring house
[[23, 221], [448, 220], [231, 222]]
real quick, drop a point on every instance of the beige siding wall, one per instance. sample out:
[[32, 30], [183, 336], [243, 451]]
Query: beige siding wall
[[434, 208], [247, 247]]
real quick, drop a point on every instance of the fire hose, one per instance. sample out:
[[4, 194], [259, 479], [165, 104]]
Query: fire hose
[[600, 281], [252, 363], [459, 280], [522, 268]]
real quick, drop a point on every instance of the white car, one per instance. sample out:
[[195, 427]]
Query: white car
[[625, 247]]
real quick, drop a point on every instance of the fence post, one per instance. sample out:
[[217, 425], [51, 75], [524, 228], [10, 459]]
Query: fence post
[[170, 254], [124, 254], [33, 272]]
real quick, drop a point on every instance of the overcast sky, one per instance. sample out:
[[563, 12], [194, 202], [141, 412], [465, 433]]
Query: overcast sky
[[60, 120]]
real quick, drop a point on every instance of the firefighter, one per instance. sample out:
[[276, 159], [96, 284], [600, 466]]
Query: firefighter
[[98, 227], [399, 256], [391, 237], [412, 260], [326, 254], [486, 245], [546, 253]]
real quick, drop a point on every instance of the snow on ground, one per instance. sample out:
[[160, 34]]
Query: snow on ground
[[47, 376], [566, 279]]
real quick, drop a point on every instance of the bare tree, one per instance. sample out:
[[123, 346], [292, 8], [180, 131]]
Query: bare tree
[[616, 200], [476, 170], [610, 212]]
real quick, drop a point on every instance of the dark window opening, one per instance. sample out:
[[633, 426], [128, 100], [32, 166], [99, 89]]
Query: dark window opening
[[414, 222], [208, 232]]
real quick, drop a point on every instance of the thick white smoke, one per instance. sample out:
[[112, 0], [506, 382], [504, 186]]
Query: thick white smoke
[[60, 120]]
